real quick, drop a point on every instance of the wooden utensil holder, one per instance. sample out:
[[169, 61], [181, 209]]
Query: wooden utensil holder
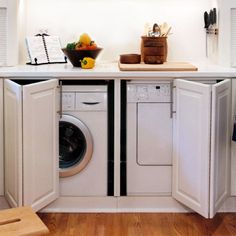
[[153, 50]]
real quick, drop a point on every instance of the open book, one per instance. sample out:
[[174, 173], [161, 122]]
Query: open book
[[44, 49]]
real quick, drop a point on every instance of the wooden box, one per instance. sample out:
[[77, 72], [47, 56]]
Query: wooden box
[[21, 221]]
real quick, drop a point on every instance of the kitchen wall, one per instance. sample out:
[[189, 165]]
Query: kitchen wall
[[116, 25]]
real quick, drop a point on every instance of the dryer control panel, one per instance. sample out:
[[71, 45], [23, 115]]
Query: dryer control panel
[[154, 92]]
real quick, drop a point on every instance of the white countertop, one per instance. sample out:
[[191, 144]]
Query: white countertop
[[108, 70]]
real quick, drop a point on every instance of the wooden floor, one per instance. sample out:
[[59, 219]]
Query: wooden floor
[[145, 224]]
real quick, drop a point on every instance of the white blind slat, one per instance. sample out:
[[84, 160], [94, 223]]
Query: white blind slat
[[233, 37], [3, 36]]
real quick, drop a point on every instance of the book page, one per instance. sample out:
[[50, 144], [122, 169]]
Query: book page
[[53, 46], [36, 50]]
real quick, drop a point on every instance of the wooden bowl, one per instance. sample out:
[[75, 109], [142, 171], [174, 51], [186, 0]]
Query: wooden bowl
[[130, 58]]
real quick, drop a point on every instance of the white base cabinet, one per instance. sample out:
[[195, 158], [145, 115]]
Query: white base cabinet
[[1, 140], [201, 146], [31, 143]]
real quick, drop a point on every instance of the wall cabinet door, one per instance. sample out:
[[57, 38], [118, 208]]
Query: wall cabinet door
[[31, 143], [200, 155]]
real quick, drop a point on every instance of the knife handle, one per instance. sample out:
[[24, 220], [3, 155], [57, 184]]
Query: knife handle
[[211, 18], [206, 20], [214, 16]]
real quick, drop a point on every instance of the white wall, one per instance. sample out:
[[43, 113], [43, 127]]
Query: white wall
[[116, 25]]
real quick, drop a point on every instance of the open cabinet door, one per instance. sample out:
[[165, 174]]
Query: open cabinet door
[[191, 145], [40, 135], [13, 142], [220, 145]]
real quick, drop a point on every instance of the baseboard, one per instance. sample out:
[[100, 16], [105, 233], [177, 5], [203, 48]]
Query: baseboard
[[82, 204], [121, 204], [229, 205], [3, 203], [149, 204], [115, 204]]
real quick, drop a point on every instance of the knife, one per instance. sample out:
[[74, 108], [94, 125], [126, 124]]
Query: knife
[[206, 20], [214, 16], [211, 18], [207, 23]]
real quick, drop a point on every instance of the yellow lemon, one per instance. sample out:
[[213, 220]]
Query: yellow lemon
[[85, 39], [87, 63]]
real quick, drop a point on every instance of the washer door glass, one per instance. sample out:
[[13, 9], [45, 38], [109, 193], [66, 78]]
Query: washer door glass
[[72, 145], [75, 146]]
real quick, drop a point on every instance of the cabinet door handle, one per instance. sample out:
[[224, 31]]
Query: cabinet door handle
[[171, 99]]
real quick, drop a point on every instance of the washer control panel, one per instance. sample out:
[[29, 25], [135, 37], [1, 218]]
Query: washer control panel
[[155, 92], [68, 101]]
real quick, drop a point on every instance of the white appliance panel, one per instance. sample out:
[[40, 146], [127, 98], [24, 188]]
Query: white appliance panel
[[157, 180], [154, 137], [157, 92], [144, 180], [68, 101], [91, 101]]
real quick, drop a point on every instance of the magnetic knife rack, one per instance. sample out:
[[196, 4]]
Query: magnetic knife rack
[[210, 21], [212, 31]]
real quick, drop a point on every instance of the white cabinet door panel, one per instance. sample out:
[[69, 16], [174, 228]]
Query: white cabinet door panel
[[191, 148], [40, 135], [13, 142], [220, 145]]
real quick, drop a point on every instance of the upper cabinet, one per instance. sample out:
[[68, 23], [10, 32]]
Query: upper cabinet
[[201, 149], [31, 142]]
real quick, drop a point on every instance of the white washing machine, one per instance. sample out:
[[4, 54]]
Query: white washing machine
[[83, 141]]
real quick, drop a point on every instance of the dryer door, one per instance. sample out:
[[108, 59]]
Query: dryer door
[[75, 146]]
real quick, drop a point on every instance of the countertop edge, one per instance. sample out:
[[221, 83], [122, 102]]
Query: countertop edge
[[111, 71]]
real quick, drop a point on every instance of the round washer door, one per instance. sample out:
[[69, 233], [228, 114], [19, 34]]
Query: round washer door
[[75, 146]]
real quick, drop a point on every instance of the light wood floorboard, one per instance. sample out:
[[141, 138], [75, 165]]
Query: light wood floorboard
[[138, 224]]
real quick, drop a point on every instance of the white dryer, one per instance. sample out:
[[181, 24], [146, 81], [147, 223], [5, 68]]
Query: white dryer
[[149, 138], [83, 141]]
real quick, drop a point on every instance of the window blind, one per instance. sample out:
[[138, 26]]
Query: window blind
[[233, 37], [3, 36]]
